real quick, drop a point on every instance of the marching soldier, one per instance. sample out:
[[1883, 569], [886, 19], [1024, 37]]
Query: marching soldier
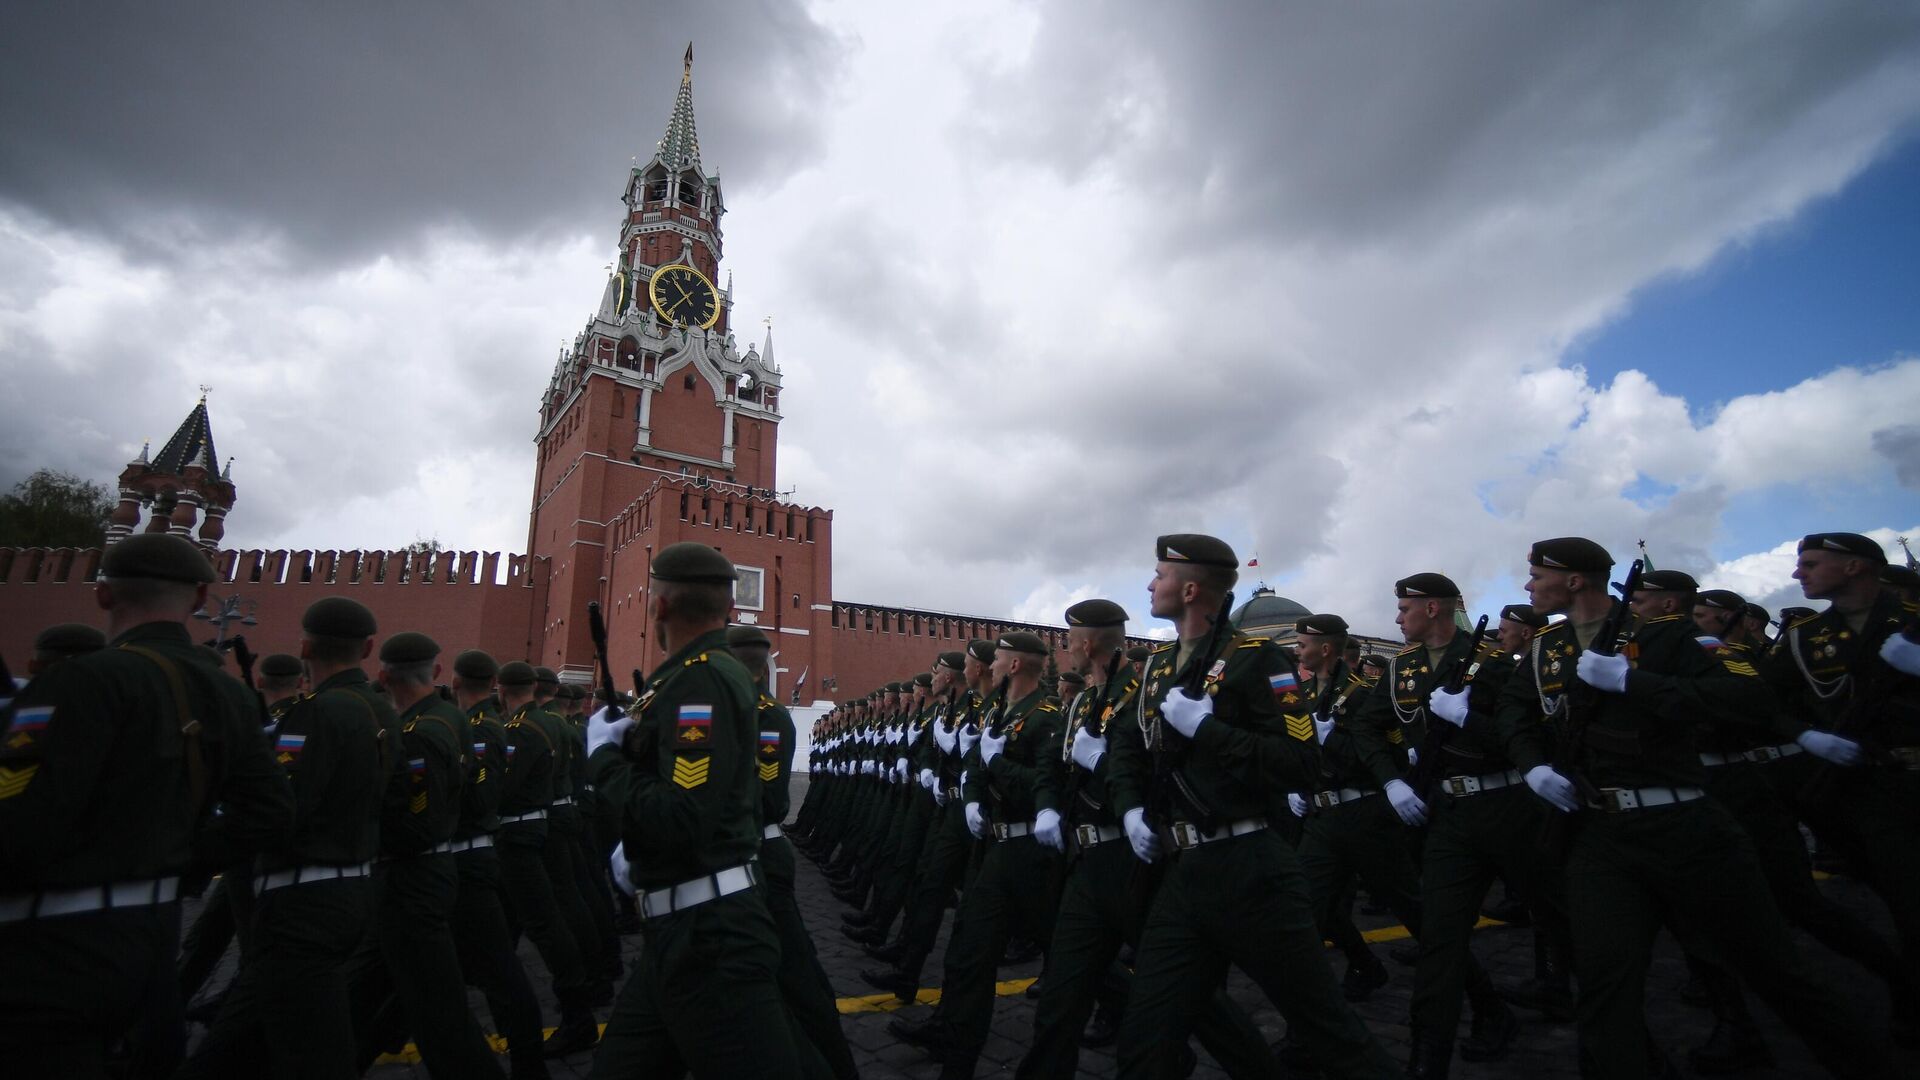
[[110, 763], [62, 641], [705, 995], [565, 852], [1518, 624]]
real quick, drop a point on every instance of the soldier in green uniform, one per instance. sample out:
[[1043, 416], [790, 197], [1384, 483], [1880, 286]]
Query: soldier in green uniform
[[566, 850], [61, 641], [289, 1006], [407, 977], [110, 763], [1193, 779], [526, 798], [487, 957], [704, 997], [1603, 732], [915, 805], [809, 996]]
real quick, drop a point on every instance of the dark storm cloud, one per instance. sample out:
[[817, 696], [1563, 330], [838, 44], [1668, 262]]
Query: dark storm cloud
[[351, 126], [1901, 447]]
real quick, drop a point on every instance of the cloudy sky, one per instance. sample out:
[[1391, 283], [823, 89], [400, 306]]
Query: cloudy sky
[[1366, 289]]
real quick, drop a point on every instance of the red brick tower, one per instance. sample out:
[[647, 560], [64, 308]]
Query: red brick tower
[[184, 480], [654, 415]]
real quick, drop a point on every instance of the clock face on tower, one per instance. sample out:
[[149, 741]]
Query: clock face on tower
[[684, 296]]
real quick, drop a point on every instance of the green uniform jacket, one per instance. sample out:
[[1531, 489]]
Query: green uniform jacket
[[423, 799], [774, 759], [339, 745], [1820, 668], [1346, 756], [1080, 796], [94, 779], [1641, 738], [684, 783], [487, 740], [1395, 712], [531, 757], [568, 745], [1258, 744], [1008, 788]]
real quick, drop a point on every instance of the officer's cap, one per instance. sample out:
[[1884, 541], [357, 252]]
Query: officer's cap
[[742, 637], [924, 678], [161, 556], [956, 661], [1196, 548], [408, 647], [339, 617], [1022, 641], [280, 665], [69, 639], [516, 673], [981, 649], [1523, 613], [1426, 587], [691, 561], [1667, 581], [1137, 654], [1096, 613], [1575, 554], [1845, 543], [1320, 624], [1724, 599], [475, 664], [1900, 577]]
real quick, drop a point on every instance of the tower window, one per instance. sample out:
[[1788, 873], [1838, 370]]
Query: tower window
[[686, 381]]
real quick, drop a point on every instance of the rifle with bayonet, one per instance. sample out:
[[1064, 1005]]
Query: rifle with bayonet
[[1425, 771], [597, 630], [1582, 701]]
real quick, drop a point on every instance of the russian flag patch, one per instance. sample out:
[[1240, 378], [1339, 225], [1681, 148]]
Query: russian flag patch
[[1710, 643], [1283, 683], [693, 725], [28, 725], [417, 766], [288, 747]]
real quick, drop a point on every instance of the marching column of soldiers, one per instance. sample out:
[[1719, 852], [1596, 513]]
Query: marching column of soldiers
[[1151, 819]]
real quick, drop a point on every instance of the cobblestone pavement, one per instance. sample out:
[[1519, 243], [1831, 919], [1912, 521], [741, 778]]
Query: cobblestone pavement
[[1542, 1049]]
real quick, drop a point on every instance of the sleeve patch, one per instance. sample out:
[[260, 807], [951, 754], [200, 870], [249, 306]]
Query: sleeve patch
[[15, 781], [769, 771], [689, 771], [28, 725], [1740, 667], [1300, 726], [770, 743], [693, 725], [287, 748], [1710, 643]]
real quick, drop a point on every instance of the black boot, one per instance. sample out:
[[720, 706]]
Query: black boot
[[1493, 1026], [1550, 991], [1102, 1030], [577, 1032], [1429, 1058], [893, 981], [886, 954], [1362, 981], [1406, 954], [929, 1034]]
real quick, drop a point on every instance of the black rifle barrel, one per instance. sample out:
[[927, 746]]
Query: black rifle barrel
[[597, 629]]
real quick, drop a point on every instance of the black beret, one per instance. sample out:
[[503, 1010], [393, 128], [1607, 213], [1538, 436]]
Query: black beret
[[1320, 624], [160, 556], [1843, 542], [408, 647], [691, 561], [741, 637], [70, 638], [954, 660], [1025, 641], [1667, 581], [280, 665], [1523, 613], [1096, 613], [981, 649], [1572, 553], [1195, 548], [339, 617], [1791, 615], [474, 664], [574, 692], [1900, 577], [1426, 587], [1072, 678], [893, 688], [925, 678], [1138, 653], [544, 676], [1374, 660], [515, 673], [1754, 611]]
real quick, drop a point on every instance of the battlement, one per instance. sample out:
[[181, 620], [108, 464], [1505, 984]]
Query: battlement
[[255, 566]]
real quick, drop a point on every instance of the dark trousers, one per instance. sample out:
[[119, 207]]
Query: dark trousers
[[226, 915], [488, 960], [1241, 902], [599, 949], [71, 985], [528, 889], [1010, 892], [1628, 873], [704, 999], [895, 880], [803, 984], [288, 1013], [406, 977], [944, 859], [1091, 926]]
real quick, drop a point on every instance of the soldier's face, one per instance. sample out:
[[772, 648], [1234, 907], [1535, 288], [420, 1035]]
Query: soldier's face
[[976, 669], [1003, 662], [1166, 593], [1756, 628], [1823, 574], [1711, 620], [1514, 635], [1549, 590], [1652, 605], [1412, 618]]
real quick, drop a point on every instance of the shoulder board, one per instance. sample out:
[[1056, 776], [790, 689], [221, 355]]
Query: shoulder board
[[1163, 647], [767, 702], [1048, 705], [1490, 647], [1410, 649], [699, 658], [1803, 620], [1354, 680], [1254, 642], [1662, 619]]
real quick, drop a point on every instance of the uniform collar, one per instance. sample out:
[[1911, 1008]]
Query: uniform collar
[[711, 641], [170, 633], [348, 677]]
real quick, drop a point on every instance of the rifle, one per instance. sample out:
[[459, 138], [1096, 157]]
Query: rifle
[[1582, 701], [597, 629], [1422, 775], [243, 658], [1166, 779], [1076, 778], [996, 703]]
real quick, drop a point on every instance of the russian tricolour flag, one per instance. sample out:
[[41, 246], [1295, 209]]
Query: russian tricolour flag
[[1710, 643], [1283, 683]]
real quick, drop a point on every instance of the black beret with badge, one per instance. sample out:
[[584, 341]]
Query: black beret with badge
[[1138, 654], [475, 664], [924, 678], [1096, 613], [280, 665], [981, 649], [1724, 599], [1329, 625], [339, 617], [408, 647], [515, 673], [1073, 678], [1574, 554], [1667, 581], [1900, 577], [1196, 548], [1523, 614], [747, 637], [157, 556], [545, 676], [1845, 543], [1426, 587], [954, 660], [692, 562], [1022, 641], [69, 639]]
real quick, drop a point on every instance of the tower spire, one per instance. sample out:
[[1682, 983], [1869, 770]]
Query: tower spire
[[680, 146]]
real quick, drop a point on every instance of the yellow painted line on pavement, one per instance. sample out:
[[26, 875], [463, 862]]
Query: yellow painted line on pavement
[[410, 1055]]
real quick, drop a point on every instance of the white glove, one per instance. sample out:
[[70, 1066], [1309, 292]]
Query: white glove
[[604, 728], [622, 872], [1297, 804], [1902, 654], [1551, 786], [991, 746], [943, 737], [1407, 804], [1449, 707], [1046, 829], [1146, 845], [939, 794], [1088, 750], [1322, 729], [1185, 713], [1828, 747], [927, 779], [976, 821], [902, 767], [1413, 755], [967, 739], [1603, 672]]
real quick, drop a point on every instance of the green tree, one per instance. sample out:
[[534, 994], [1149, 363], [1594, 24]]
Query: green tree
[[54, 509], [415, 550]]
